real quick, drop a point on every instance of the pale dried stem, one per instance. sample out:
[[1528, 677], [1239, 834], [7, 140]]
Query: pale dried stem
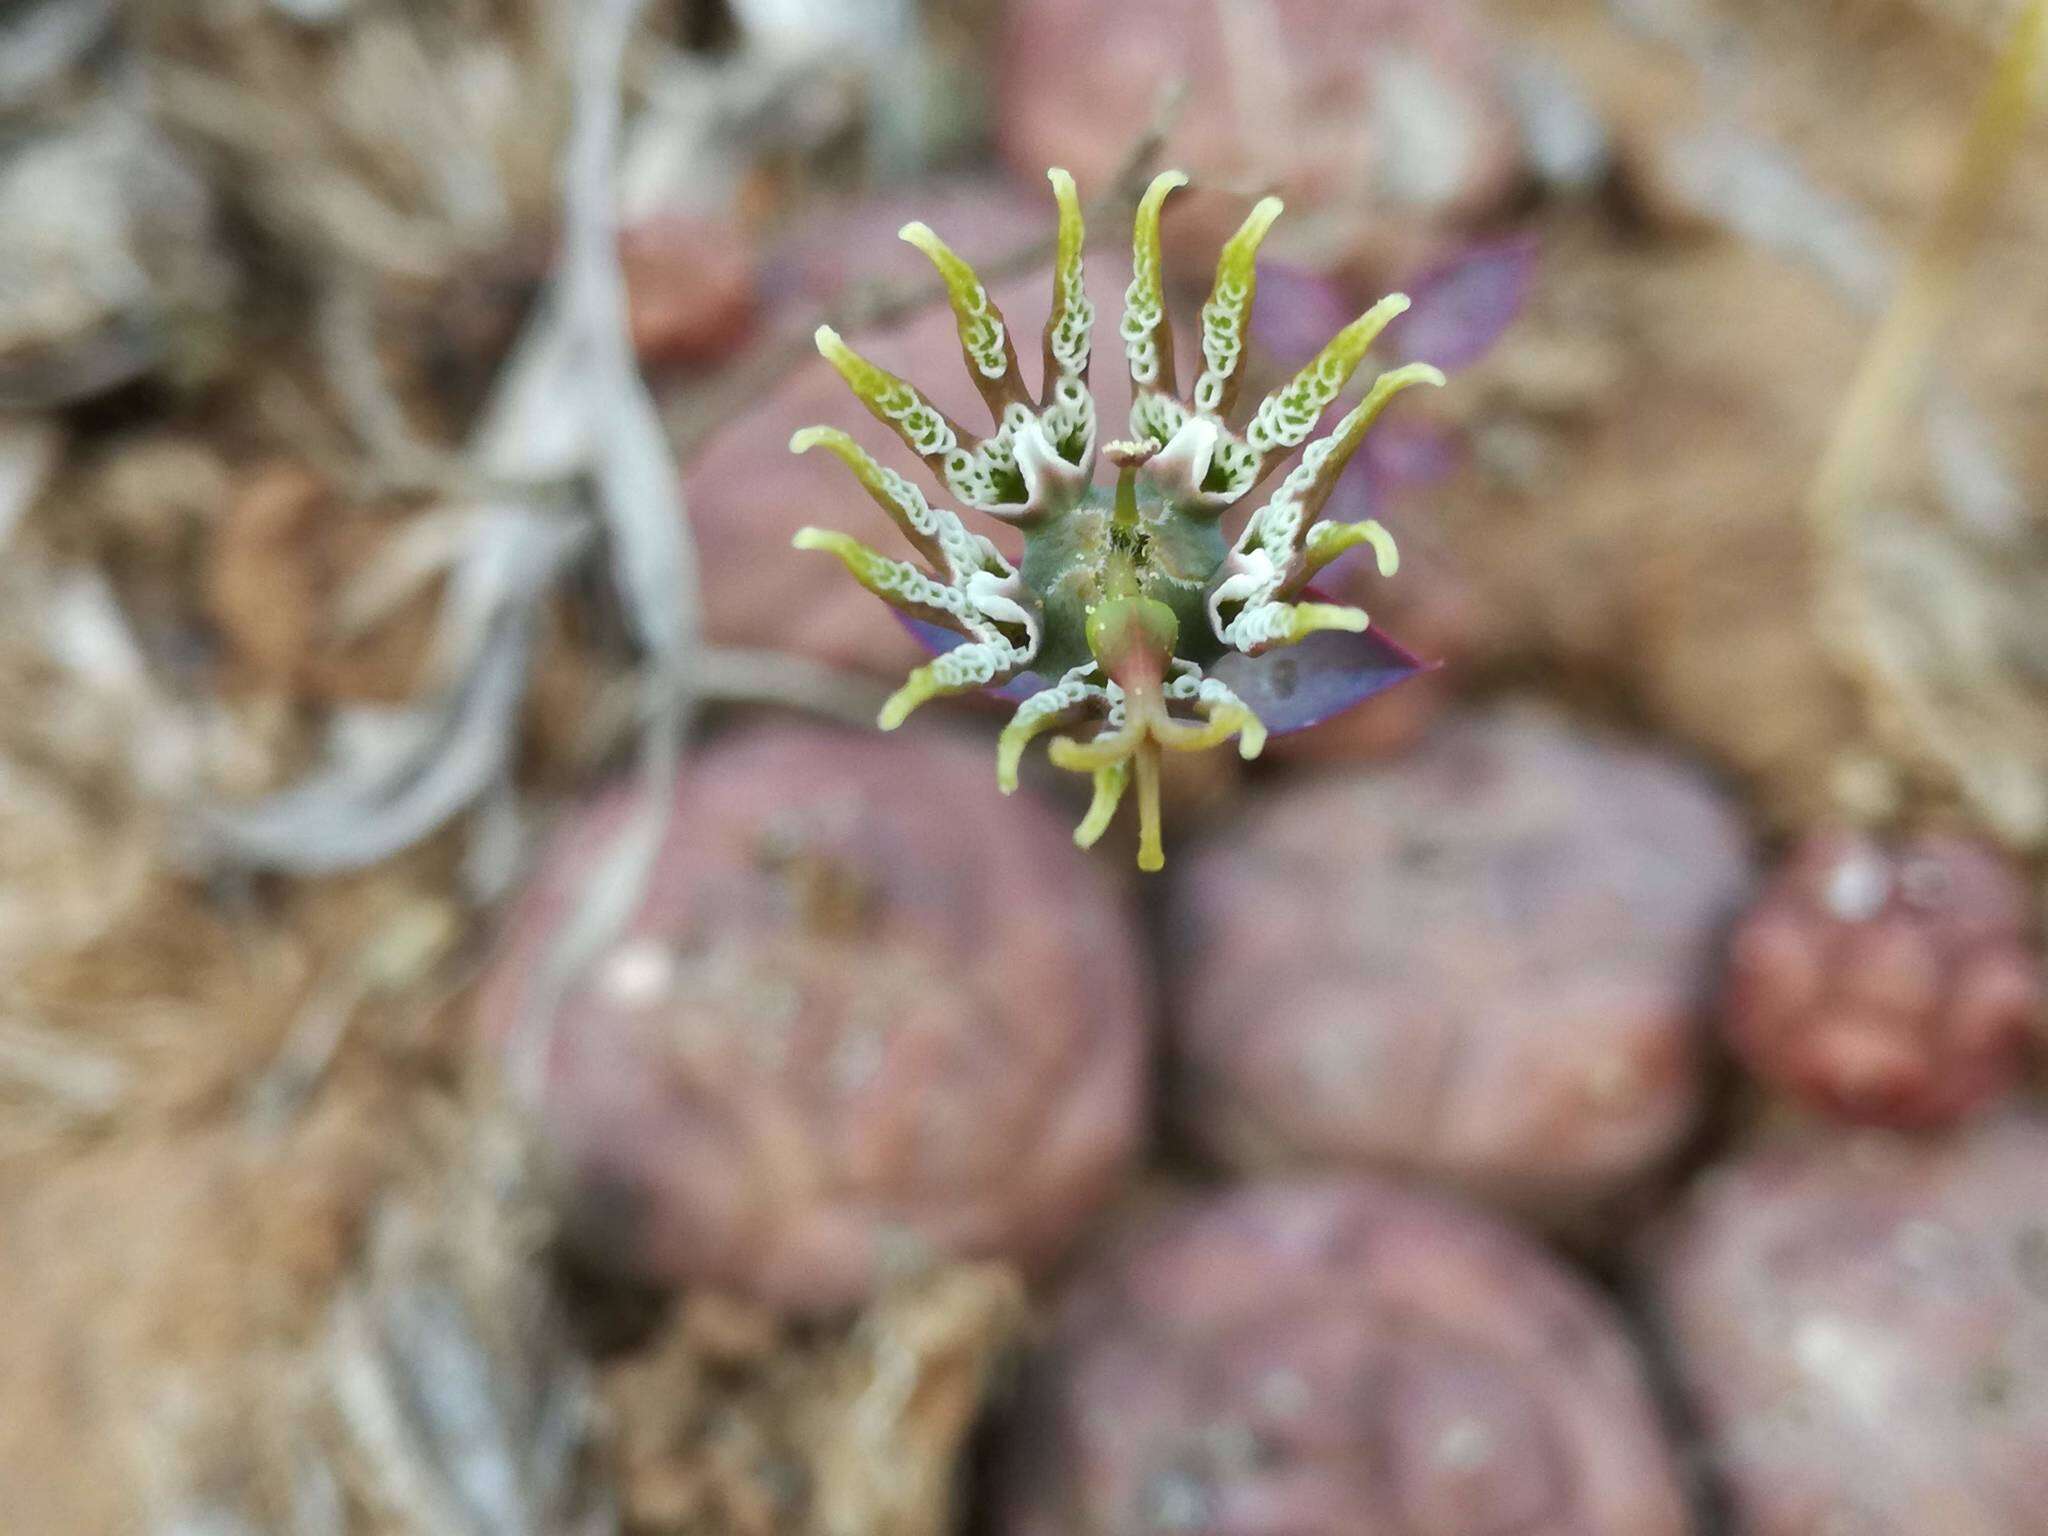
[[1891, 376]]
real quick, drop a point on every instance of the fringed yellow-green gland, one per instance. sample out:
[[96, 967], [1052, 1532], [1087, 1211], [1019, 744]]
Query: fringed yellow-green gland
[[1125, 594]]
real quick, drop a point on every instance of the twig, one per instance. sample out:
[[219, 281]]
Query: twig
[[639, 488], [396, 774], [640, 492], [570, 405]]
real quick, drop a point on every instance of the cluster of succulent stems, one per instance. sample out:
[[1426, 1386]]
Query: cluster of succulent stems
[[1125, 597]]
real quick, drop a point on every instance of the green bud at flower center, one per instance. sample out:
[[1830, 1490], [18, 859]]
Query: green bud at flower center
[[1132, 635]]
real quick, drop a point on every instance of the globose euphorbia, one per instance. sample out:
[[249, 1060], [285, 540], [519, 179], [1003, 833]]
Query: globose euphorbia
[[1133, 621]]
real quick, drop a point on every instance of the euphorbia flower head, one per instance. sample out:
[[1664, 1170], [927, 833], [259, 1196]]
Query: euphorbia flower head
[[1134, 619]]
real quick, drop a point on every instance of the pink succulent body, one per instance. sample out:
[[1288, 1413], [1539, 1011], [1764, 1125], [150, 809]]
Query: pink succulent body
[[1331, 1360], [836, 1039], [1860, 1320], [1887, 986], [1484, 963]]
